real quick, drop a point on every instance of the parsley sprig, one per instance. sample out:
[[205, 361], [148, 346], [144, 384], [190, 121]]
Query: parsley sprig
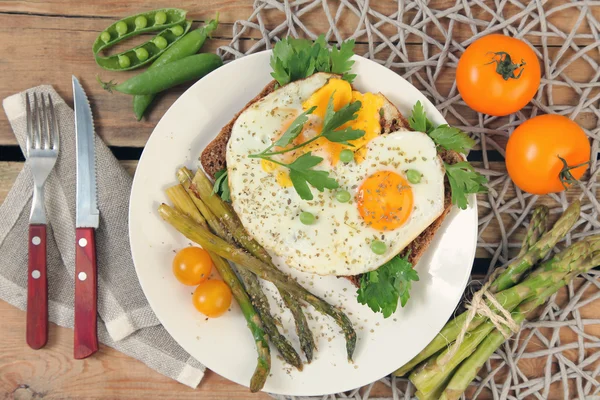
[[381, 289], [294, 59], [332, 121], [301, 172], [463, 178]]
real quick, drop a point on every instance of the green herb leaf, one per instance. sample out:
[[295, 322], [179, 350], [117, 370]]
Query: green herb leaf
[[294, 129], [418, 120], [335, 119], [344, 135], [301, 173], [221, 186], [294, 59], [383, 288], [341, 61], [464, 180], [452, 139]]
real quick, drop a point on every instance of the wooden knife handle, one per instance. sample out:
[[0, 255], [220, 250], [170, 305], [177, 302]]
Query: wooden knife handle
[[37, 288], [86, 294]]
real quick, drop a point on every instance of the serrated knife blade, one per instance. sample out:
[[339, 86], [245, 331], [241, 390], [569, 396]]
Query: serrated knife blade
[[87, 219], [87, 214]]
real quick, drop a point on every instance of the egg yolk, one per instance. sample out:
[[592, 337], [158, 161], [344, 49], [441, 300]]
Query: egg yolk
[[281, 176], [338, 88], [385, 200], [367, 117]]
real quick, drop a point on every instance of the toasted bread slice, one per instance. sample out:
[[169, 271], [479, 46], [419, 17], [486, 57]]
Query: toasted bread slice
[[214, 155]]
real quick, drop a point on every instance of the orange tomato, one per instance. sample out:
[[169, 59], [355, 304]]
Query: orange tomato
[[212, 298], [192, 266], [534, 150], [498, 75]]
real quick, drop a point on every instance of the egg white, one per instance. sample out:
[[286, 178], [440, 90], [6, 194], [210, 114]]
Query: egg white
[[338, 243]]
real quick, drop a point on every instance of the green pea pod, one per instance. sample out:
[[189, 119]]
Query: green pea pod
[[146, 52], [134, 25], [166, 76], [188, 45]]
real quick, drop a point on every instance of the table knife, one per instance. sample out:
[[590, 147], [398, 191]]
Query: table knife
[[86, 221]]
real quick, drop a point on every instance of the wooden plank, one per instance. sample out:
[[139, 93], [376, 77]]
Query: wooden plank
[[229, 10], [52, 372], [316, 22], [30, 64]]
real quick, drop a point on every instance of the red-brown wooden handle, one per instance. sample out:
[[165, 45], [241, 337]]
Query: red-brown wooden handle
[[37, 288], [86, 294]]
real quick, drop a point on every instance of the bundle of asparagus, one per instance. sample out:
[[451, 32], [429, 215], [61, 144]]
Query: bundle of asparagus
[[205, 219], [452, 360]]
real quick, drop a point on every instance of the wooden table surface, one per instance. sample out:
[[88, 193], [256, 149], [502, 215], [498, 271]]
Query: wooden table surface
[[44, 42]]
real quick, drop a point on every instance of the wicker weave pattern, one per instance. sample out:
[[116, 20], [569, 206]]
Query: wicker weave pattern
[[422, 41]]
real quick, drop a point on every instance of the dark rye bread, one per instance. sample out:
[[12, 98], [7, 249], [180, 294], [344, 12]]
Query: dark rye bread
[[213, 159]]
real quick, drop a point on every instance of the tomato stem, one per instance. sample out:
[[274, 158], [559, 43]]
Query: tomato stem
[[565, 175], [505, 66]]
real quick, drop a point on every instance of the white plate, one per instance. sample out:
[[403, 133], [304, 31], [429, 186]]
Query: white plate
[[224, 344]]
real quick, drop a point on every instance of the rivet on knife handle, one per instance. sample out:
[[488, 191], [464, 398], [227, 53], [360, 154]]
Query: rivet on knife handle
[[37, 288], [86, 340]]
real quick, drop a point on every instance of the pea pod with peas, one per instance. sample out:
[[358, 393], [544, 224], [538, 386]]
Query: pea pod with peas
[[174, 50], [170, 21], [146, 52], [187, 46]]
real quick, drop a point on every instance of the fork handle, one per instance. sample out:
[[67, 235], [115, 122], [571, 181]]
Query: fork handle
[[86, 339], [37, 288]]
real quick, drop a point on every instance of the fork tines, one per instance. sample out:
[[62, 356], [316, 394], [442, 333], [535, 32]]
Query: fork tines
[[42, 126]]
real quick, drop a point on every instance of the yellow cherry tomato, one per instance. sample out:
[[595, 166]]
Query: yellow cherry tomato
[[192, 266], [212, 298]]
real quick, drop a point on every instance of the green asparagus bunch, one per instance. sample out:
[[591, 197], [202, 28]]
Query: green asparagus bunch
[[205, 219], [184, 205], [441, 375]]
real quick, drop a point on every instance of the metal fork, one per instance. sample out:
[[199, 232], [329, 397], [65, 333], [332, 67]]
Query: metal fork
[[41, 152]]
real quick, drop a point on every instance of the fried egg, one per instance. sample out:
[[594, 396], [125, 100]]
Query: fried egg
[[385, 205]]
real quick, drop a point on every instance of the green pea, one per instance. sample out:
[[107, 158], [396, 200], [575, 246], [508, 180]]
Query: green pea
[[141, 53], [378, 247], [105, 37], [414, 176], [124, 61], [177, 30], [307, 218], [343, 196], [346, 156], [121, 28], [160, 42], [141, 22], [160, 18]]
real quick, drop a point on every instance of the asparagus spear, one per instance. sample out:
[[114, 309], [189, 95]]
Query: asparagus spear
[[469, 369], [207, 240], [203, 188], [539, 250], [261, 303], [538, 225], [513, 271], [258, 298], [577, 258], [184, 205]]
